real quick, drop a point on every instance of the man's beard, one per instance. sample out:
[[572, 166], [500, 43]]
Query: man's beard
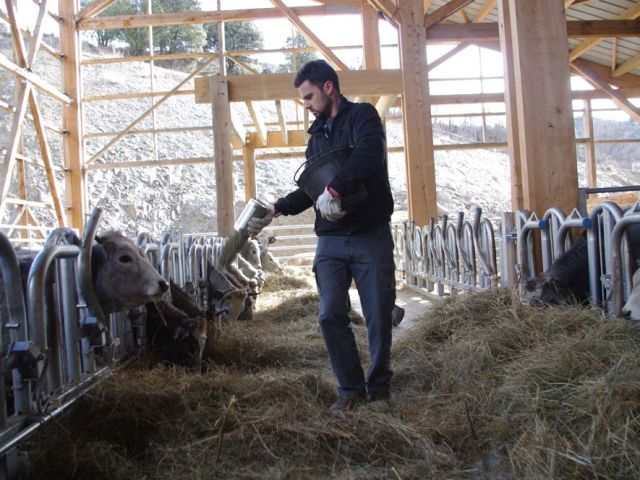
[[326, 111]]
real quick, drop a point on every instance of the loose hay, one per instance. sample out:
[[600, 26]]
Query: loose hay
[[484, 388]]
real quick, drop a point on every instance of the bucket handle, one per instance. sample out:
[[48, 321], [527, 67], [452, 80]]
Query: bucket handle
[[314, 159]]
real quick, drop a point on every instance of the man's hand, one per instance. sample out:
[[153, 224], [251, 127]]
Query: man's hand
[[329, 205], [255, 225]]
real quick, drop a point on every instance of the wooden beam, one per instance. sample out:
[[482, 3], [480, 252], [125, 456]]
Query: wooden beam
[[511, 108], [149, 110], [370, 37], [444, 11], [473, 32], [370, 40], [419, 153], [275, 86], [630, 13], [35, 80], [622, 80], [592, 76], [309, 35], [223, 155], [486, 9], [261, 130], [390, 10], [283, 122], [211, 16], [75, 191], [93, 9], [544, 109], [384, 104], [590, 147], [626, 66], [249, 169]]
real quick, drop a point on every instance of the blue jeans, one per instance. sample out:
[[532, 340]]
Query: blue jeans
[[367, 258]]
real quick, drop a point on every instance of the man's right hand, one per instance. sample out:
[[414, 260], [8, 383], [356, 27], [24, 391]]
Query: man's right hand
[[255, 225]]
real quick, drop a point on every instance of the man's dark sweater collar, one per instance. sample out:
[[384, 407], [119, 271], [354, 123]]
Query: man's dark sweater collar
[[319, 124]]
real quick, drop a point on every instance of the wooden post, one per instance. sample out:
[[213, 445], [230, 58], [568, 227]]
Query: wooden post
[[513, 138], [418, 133], [72, 117], [371, 39], [590, 146], [544, 110], [223, 154], [249, 164]]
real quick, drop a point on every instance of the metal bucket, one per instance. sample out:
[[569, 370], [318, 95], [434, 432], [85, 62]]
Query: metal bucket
[[320, 169]]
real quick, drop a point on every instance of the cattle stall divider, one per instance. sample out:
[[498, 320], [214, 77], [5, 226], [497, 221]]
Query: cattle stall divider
[[57, 343], [445, 258]]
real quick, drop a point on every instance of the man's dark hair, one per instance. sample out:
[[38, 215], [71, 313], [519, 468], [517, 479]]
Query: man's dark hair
[[317, 72]]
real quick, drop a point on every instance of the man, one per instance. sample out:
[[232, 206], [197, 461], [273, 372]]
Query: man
[[355, 242]]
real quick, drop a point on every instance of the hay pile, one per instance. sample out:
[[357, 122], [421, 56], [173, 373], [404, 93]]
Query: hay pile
[[484, 388]]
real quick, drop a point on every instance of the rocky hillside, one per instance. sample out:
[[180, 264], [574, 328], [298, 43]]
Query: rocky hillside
[[157, 199]]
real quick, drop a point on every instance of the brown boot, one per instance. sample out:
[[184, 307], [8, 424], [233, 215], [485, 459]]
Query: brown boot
[[344, 404]]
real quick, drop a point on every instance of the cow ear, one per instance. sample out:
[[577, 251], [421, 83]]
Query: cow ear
[[98, 239]]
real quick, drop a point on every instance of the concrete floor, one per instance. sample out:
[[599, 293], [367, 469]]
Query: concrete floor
[[413, 303]]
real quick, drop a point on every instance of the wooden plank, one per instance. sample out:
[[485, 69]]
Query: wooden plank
[[577, 51], [208, 16], [151, 109], [444, 11], [93, 9], [309, 35], [513, 135], [419, 153], [223, 155], [544, 110], [275, 86], [591, 76], [249, 169]]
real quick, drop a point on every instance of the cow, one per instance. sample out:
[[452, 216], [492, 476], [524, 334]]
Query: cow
[[176, 328], [631, 309], [268, 262], [567, 279], [226, 300], [122, 276]]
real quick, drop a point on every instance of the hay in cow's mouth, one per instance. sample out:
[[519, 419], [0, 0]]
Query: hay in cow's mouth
[[484, 387]]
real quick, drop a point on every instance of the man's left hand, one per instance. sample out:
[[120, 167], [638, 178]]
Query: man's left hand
[[329, 205]]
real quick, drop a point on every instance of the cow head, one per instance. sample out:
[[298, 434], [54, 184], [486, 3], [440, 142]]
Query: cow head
[[269, 262], [632, 307], [546, 291], [123, 278], [228, 306]]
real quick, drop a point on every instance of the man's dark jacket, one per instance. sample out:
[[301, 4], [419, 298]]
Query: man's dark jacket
[[357, 125]]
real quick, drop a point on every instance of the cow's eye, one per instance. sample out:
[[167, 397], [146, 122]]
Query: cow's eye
[[125, 259]]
